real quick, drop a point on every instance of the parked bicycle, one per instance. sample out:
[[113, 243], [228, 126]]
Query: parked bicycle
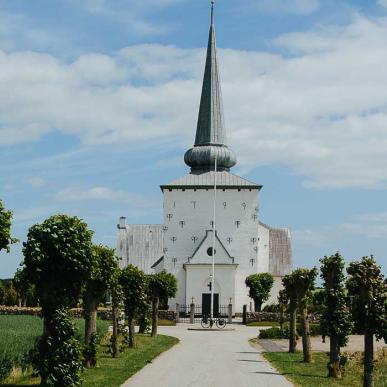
[[208, 322]]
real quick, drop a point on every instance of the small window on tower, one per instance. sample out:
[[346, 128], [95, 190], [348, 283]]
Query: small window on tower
[[209, 251]]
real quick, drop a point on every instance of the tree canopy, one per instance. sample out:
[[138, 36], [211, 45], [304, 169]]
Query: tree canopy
[[259, 288], [57, 258], [5, 229], [336, 317]]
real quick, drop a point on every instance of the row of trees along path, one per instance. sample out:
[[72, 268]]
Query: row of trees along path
[[64, 266], [356, 304]]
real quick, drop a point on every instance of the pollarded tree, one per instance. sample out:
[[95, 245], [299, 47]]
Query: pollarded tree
[[58, 257], [162, 285], [259, 288], [290, 293], [133, 282], [305, 282], [97, 284], [368, 290], [336, 316], [117, 295], [5, 229], [299, 286], [283, 303]]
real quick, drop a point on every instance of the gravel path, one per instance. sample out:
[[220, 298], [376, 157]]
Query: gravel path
[[209, 359]]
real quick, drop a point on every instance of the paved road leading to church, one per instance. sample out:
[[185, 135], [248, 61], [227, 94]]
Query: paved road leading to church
[[209, 359]]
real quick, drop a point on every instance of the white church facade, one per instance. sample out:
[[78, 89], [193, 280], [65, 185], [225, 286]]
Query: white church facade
[[183, 244]]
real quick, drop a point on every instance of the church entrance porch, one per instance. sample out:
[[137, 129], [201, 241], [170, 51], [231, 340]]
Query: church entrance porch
[[206, 304]]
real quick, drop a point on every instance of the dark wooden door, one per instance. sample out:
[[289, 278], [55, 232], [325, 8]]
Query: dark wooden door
[[206, 304]]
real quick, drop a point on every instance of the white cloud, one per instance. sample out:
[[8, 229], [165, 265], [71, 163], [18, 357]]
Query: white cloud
[[287, 6], [132, 13], [102, 193], [383, 3], [321, 112]]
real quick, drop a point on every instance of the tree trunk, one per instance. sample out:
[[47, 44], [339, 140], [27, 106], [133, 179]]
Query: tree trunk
[[142, 322], [334, 367], [132, 333], [155, 309], [90, 311], [257, 305], [293, 329], [306, 345], [115, 347], [281, 317], [368, 359]]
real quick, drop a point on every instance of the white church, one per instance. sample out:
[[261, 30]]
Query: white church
[[183, 244]]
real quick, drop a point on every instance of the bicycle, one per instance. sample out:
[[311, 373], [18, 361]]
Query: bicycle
[[208, 322]]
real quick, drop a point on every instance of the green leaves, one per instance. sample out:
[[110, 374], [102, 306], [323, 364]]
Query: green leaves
[[367, 290], [58, 259], [259, 287], [163, 285], [5, 229]]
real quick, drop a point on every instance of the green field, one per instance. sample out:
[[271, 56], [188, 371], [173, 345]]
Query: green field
[[18, 334], [315, 374]]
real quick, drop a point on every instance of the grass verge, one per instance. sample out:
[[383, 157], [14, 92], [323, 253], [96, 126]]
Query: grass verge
[[315, 374], [113, 372], [263, 324]]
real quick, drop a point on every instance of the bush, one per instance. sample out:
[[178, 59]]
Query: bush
[[274, 333], [277, 333], [271, 308], [5, 367]]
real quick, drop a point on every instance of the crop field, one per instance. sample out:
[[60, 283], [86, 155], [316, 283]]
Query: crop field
[[18, 334]]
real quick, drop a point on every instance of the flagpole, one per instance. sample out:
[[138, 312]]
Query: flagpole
[[213, 243]]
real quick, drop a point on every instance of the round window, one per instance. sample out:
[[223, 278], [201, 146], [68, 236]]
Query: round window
[[209, 251]]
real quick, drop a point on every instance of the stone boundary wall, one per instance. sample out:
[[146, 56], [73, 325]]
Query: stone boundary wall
[[103, 313], [269, 316], [167, 315]]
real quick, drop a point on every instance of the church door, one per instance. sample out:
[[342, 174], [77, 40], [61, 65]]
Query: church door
[[206, 304]]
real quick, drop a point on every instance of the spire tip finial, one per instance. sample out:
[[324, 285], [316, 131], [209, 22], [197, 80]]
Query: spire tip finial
[[212, 11]]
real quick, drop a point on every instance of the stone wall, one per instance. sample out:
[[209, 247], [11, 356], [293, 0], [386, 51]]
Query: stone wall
[[268, 316]]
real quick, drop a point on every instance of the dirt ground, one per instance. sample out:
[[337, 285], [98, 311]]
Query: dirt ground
[[356, 343]]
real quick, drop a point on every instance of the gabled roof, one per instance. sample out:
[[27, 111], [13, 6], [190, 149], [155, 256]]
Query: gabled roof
[[221, 252], [224, 179]]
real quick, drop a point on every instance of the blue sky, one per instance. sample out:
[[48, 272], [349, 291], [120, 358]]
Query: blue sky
[[99, 101]]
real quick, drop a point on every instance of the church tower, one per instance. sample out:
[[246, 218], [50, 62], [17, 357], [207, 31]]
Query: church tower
[[184, 243]]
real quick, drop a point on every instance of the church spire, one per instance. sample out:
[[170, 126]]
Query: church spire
[[210, 140]]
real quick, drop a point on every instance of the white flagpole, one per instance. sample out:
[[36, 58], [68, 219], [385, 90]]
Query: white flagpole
[[213, 244]]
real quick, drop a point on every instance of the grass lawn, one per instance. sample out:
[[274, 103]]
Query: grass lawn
[[263, 324], [113, 372], [166, 323], [314, 374]]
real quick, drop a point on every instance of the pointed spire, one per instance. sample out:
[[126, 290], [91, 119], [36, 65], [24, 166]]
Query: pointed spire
[[210, 131], [210, 128]]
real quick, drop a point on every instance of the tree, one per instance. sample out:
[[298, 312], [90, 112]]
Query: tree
[[2, 293], [368, 290], [259, 288], [5, 229], [22, 286], [162, 285], [336, 316], [104, 265], [133, 282], [283, 303], [117, 296], [10, 295], [290, 294], [299, 286], [58, 257]]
